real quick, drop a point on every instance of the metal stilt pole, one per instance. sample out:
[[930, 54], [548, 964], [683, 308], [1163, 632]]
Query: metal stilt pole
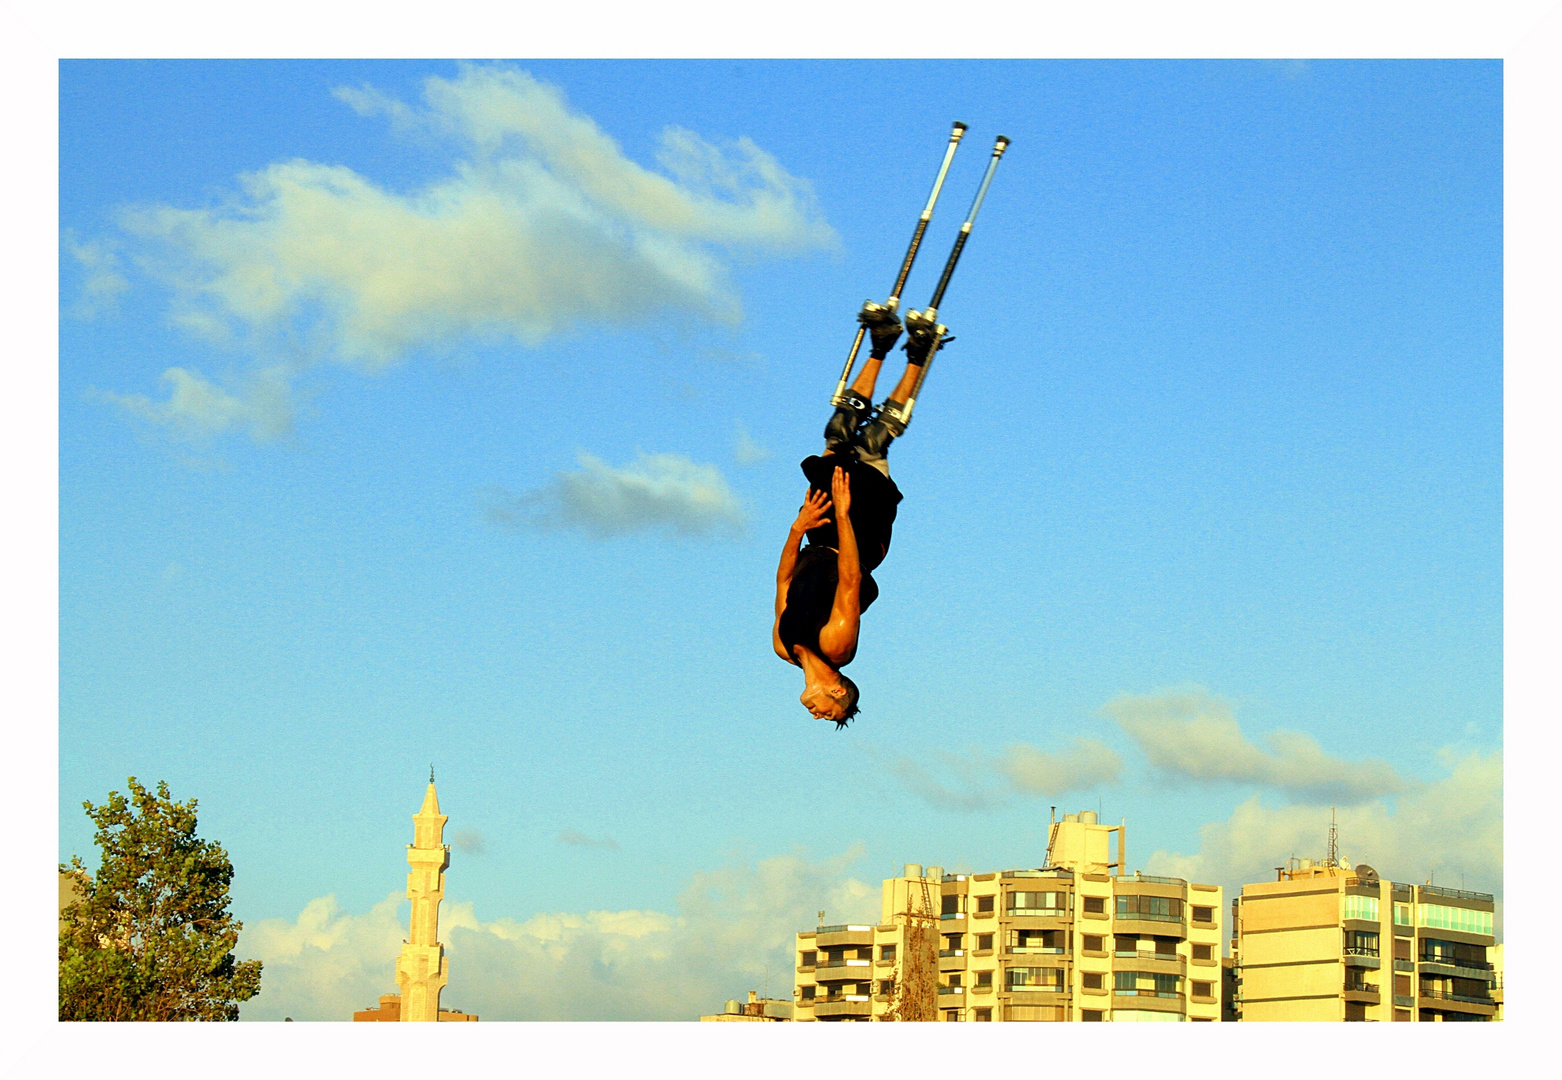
[[870, 308]]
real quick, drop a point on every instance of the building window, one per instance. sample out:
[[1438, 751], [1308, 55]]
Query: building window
[[1361, 907], [952, 942], [809, 957], [1038, 903], [887, 987], [954, 978], [1144, 984], [1035, 978], [1092, 943], [984, 978], [1201, 952], [1166, 948], [1201, 989], [984, 941], [886, 952], [808, 993], [1361, 943], [1125, 944], [1203, 914], [1034, 941], [1154, 908], [951, 905], [952, 1016], [1092, 980], [1464, 920], [984, 905], [984, 1016], [1095, 905], [1403, 916], [1090, 1016]]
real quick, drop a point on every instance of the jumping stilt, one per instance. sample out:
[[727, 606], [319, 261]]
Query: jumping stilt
[[872, 312], [923, 330]]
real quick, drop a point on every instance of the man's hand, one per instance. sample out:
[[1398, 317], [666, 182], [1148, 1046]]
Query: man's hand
[[841, 491], [814, 512]]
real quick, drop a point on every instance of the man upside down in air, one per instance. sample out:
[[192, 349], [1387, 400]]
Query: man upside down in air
[[823, 589]]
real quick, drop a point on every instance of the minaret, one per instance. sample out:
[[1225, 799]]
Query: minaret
[[422, 969]]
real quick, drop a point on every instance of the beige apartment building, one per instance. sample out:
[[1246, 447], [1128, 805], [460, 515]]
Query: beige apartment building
[[1328, 941], [1077, 940]]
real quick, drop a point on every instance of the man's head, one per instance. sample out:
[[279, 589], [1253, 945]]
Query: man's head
[[831, 698]]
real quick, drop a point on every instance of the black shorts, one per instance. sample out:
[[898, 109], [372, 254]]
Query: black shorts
[[875, 501]]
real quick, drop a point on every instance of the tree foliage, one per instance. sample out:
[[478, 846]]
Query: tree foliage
[[150, 936]]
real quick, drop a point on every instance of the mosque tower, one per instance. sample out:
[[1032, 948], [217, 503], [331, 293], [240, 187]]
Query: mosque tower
[[422, 969]]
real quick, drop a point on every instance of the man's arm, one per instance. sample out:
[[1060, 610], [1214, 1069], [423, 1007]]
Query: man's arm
[[838, 638], [813, 513]]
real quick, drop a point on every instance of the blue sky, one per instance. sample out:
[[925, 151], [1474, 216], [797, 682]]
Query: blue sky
[[1218, 454]]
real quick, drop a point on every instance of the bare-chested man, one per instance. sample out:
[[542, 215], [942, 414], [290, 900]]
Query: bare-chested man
[[823, 589]]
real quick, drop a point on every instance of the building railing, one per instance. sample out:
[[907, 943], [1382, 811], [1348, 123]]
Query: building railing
[[944, 991], [1145, 993], [1361, 988], [1401, 1001], [1404, 965], [1152, 879], [951, 952], [1361, 950], [1448, 961], [843, 963], [842, 928], [1449, 995], [1458, 894], [1016, 950], [1150, 916], [1045, 912], [952, 915]]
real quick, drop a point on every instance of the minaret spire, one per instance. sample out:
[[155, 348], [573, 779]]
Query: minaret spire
[[422, 970]]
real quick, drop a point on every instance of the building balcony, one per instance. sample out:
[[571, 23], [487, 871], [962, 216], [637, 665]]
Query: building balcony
[[1464, 969], [1156, 963], [1404, 1001], [842, 970], [982, 914], [835, 937], [1405, 965], [1445, 1001], [979, 988], [1449, 995], [951, 991], [853, 1005], [1362, 958], [1032, 950], [1365, 994], [952, 916]]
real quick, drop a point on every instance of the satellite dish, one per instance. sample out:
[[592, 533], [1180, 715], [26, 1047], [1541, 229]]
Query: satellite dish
[[1365, 872]]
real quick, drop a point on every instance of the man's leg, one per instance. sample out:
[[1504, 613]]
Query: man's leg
[[889, 424], [858, 399]]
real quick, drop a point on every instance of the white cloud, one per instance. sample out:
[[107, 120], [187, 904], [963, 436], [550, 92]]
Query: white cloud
[[470, 841], [1086, 764], [104, 282], [580, 839], [198, 409], [746, 450], [982, 781], [730, 926], [656, 491], [1194, 735], [541, 224], [1443, 829]]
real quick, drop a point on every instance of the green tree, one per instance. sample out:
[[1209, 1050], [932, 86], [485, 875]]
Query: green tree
[[150, 937]]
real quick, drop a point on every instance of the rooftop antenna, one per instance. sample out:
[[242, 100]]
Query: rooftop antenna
[[821, 918], [1334, 840]]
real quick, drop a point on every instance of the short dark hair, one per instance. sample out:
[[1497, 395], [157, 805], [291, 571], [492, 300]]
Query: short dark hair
[[852, 694]]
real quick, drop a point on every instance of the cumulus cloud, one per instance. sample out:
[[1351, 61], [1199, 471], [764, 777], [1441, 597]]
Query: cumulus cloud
[[982, 781], [198, 409], [1440, 829], [656, 491], [746, 450], [580, 839], [103, 281], [470, 841], [1194, 735], [731, 927], [541, 224]]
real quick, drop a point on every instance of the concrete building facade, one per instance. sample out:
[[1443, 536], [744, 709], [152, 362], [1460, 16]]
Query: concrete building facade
[[1078, 940], [1328, 941]]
